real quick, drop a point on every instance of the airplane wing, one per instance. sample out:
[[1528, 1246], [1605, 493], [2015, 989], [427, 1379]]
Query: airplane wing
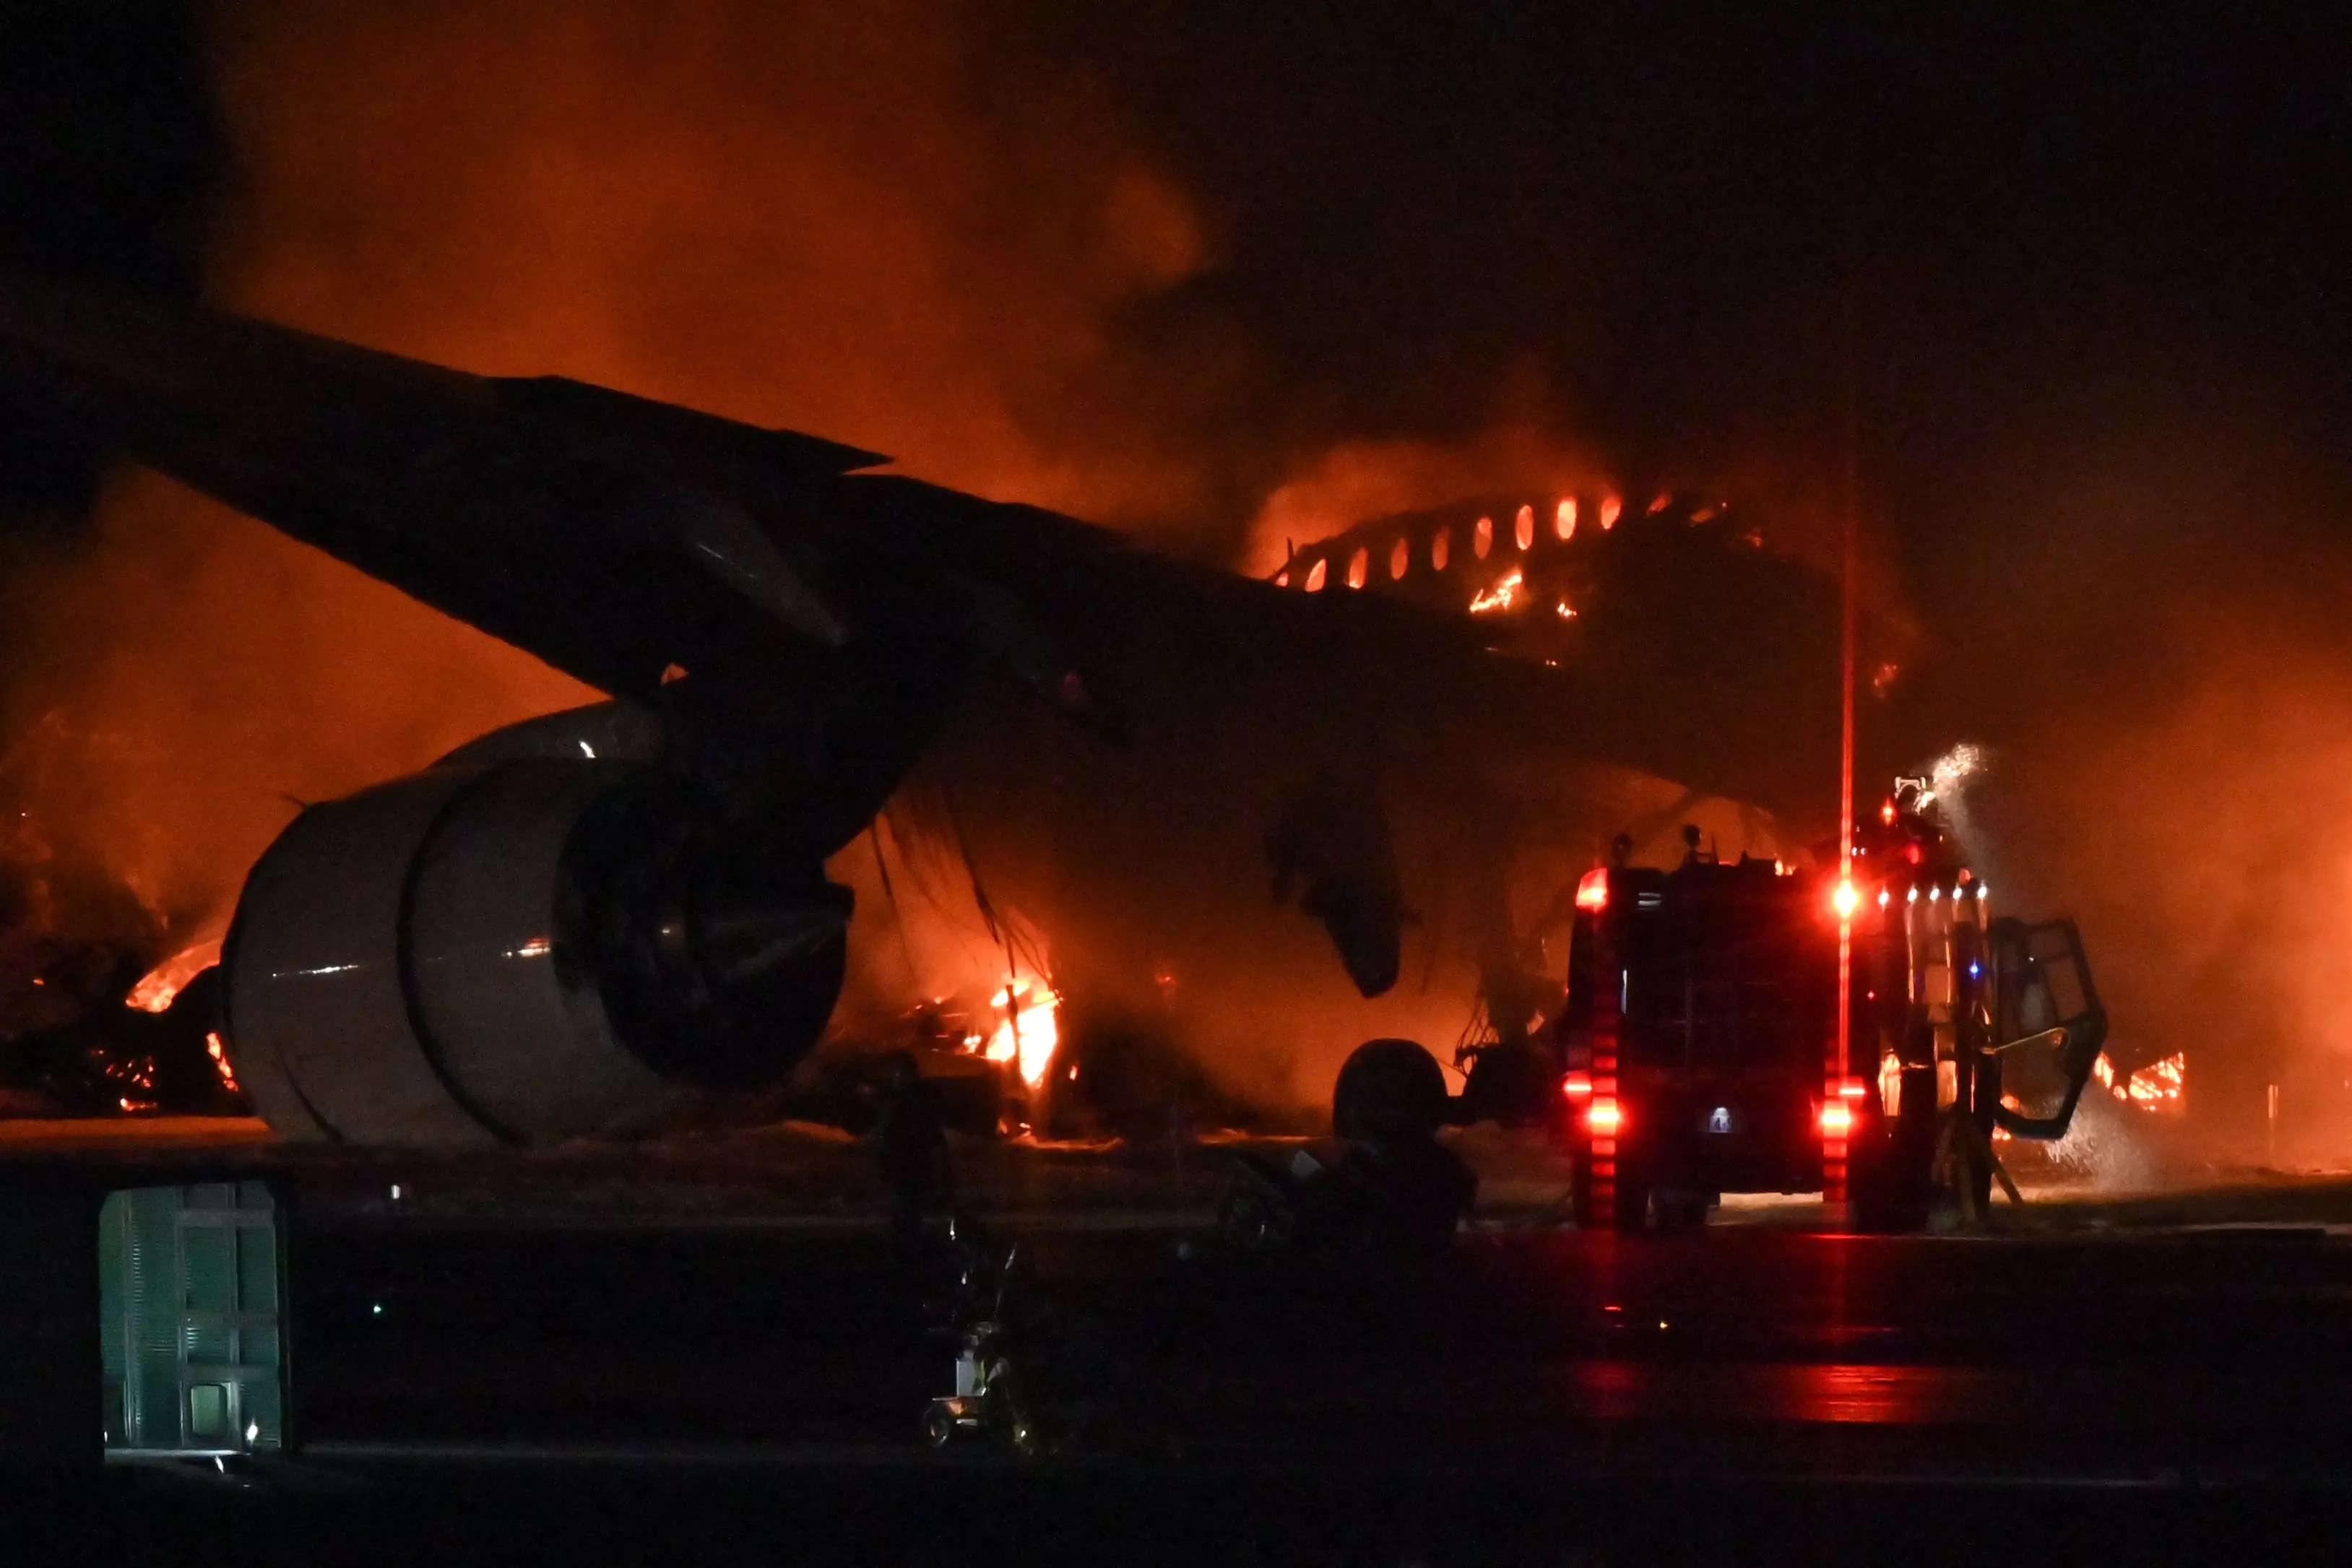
[[621, 539], [826, 620], [605, 533]]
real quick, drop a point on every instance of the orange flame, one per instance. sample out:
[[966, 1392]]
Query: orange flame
[[214, 1049], [1499, 597], [2156, 1087], [1030, 1033], [155, 992]]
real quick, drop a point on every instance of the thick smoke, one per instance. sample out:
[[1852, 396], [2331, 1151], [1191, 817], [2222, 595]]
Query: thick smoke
[[1352, 481], [2155, 630], [890, 225], [832, 220]]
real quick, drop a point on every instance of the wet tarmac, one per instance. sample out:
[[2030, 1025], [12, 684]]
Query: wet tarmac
[[2128, 1357], [484, 1373]]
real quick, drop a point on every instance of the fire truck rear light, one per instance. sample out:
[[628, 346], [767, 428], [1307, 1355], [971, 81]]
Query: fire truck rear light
[[1851, 1089], [1604, 1118], [1593, 889], [1837, 1119], [1576, 1085]]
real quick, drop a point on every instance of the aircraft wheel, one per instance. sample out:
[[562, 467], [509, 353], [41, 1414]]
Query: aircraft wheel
[[938, 1425]]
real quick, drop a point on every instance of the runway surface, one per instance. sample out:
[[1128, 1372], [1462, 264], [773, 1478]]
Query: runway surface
[[528, 1364]]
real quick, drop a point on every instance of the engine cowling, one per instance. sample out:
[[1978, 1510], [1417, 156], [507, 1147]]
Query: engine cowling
[[518, 951]]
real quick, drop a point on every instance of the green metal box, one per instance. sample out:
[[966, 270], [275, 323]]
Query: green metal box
[[191, 1319]]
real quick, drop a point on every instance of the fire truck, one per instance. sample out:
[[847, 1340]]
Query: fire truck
[[1697, 1051]]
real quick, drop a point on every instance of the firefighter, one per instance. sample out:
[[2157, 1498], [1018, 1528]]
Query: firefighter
[[1396, 1191]]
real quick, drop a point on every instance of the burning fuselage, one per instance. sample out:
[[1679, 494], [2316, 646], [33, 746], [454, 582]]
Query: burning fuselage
[[1117, 753]]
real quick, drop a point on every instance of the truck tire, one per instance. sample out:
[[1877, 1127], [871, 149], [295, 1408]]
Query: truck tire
[[1888, 1184], [1676, 1210], [1633, 1215], [1629, 1212]]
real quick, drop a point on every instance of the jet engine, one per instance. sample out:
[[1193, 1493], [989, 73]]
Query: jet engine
[[521, 949]]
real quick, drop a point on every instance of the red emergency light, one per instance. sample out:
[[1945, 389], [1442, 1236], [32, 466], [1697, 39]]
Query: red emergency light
[[1838, 1106], [1604, 1118], [1593, 889], [1577, 1086]]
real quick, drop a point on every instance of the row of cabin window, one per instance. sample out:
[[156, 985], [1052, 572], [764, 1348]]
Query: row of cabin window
[[1441, 545]]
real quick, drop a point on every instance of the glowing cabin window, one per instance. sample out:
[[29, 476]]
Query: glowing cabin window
[[1484, 539], [1523, 527], [1357, 563], [1563, 520], [1610, 507], [1315, 577], [1400, 559], [1441, 550]]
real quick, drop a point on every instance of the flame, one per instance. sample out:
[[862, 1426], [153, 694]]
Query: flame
[[1500, 596], [2156, 1087], [1029, 1032], [155, 992], [1611, 507], [214, 1049]]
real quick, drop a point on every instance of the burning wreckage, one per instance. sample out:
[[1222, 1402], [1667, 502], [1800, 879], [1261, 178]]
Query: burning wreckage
[[1420, 733]]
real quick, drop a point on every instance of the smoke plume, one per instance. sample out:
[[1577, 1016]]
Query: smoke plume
[[828, 219], [2155, 629]]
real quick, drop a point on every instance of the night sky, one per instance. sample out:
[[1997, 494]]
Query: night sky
[[1694, 228], [1697, 227]]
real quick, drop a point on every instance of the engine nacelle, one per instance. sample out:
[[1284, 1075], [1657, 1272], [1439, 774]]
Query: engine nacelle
[[518, 951]]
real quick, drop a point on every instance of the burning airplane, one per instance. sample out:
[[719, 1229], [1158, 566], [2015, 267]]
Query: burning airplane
[[822, 672]]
